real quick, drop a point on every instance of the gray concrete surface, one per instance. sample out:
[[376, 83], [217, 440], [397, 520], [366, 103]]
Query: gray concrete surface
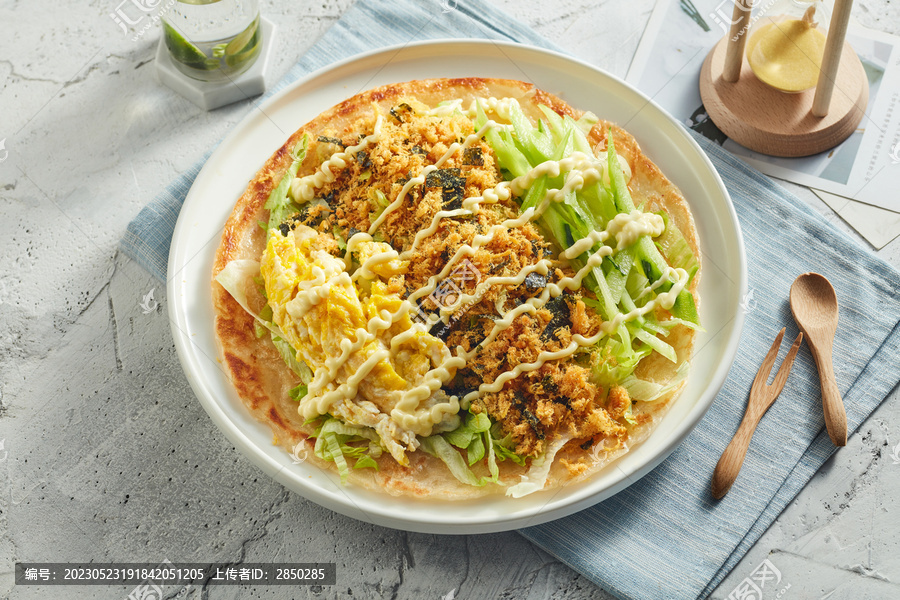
[[107, 456]]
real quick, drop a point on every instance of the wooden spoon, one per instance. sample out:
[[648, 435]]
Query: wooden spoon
[[815, 308]]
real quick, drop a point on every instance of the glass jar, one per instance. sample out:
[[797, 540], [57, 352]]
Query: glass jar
[[786, 43], [213, 40]]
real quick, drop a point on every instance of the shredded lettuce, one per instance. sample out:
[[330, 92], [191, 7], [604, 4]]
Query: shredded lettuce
[[479, 438], [475, 450], [333, 443], [470, 428], [474, 435], [502, 446], [614, 363], [289, 355], [675, 248], [378, 201], [299, 392], [280, 204], [648, 391], [436, 445], [536, 477], [657, 344]]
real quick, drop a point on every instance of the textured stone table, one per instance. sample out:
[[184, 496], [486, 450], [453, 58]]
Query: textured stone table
[[107, 456]]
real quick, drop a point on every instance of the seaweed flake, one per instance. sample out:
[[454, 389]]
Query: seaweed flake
[[534, 422], [440, 330], [362, 157], [475, 337], [535, 281], [473, 157], [404, 109], [540, 249], [418, 150], [559, 308], [331, 140], [499, 266], [328, 198], [452, 198], [452, 187], [289, 224], [311, 220], [587, 445], [444, 178], [549, 385], [473, 319], [561, 400], [460, 390]]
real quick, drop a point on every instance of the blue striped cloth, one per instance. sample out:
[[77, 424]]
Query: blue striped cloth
[[664, 537]]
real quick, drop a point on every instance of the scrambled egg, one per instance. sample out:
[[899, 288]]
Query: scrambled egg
[[356, 376]]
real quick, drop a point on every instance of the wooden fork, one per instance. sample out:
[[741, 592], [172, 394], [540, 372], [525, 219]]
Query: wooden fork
[[761, 398]]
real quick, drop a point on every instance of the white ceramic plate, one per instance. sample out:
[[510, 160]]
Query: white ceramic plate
[[236, 160]]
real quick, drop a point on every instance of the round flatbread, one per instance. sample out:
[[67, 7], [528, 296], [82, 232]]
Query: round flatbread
[[264, 381]]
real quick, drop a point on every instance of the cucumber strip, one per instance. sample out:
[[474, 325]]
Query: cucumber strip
[[647, 391], [535, 145], [636, 284], [653, 263], [554, 121], [649, 323], [616, 279], [599, 202], [578, 137], [508, 156], [657, 344], [627, 306], [609, 309], [535, 193]]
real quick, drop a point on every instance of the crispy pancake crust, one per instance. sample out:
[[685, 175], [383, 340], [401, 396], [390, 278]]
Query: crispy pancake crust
[[261, 378]]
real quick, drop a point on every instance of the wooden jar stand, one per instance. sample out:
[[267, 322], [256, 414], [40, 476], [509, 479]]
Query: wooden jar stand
[[772, 122]]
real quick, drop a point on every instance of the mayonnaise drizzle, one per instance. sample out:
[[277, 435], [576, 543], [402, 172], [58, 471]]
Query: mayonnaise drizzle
[[579, 169], [420, 179], [498, 106], [665, 300], [303, 189]]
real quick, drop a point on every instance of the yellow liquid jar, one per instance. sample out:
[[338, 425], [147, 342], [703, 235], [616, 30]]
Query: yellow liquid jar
[[786, 44]]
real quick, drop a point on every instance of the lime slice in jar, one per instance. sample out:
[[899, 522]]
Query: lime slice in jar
[[245, 46], [187, 53]]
